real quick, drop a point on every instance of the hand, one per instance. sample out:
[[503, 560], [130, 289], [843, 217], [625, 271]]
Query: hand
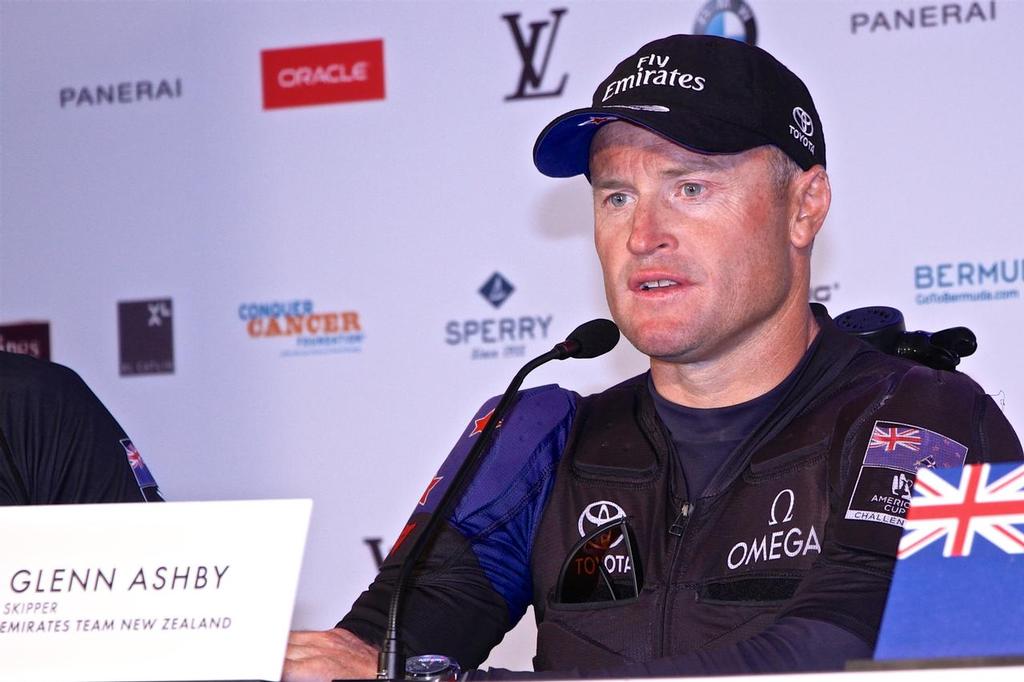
[[315, 656]]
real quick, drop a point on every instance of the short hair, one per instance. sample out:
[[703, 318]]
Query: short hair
[[783, 169]]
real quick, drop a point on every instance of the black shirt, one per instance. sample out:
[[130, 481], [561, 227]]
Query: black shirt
[[59, 444], [703, 438]]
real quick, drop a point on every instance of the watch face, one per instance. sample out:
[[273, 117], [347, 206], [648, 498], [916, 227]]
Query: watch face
[[421, 666]]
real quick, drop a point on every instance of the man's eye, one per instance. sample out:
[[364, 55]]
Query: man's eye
[[692, 189], [618, 200]]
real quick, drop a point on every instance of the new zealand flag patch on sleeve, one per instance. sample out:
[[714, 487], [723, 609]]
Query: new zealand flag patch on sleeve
[[894, 454], [142, 475]]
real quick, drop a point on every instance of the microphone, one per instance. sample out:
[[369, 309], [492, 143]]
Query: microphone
[[589, 340]]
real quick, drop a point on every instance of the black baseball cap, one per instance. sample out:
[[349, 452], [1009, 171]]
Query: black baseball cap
[[709, 94]]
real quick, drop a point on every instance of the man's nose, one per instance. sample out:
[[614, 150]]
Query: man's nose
[[651, 228]]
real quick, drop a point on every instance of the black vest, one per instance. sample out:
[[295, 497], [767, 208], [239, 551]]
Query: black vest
[[716, 569]]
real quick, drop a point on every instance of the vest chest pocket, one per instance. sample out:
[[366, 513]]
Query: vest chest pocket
[[750, 591], [598, 611], [603, 566], [770, 523], [589, 635]]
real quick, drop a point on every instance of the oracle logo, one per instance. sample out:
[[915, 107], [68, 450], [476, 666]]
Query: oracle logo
[[323, 74], [313, 75]]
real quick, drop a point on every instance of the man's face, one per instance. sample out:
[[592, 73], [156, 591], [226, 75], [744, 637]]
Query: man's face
[[695, 249]]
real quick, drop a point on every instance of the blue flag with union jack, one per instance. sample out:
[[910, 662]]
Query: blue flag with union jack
[[139, 468], [958, 589]]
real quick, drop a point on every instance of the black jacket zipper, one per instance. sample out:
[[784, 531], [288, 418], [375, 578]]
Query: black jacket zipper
[[682, 519]]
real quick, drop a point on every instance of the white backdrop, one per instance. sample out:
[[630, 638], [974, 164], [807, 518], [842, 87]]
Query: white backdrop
[[400, 209]]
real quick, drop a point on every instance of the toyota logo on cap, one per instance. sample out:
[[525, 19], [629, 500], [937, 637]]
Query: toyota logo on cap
[[804, 121]]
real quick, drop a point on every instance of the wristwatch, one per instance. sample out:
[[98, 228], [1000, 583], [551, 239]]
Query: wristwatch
[[432, 668]]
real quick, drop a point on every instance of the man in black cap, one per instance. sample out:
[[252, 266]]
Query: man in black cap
[[737, 508]]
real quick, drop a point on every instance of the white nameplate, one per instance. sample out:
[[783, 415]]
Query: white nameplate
[[171, 591]]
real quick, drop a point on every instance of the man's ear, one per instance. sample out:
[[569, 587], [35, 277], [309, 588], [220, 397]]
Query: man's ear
[[810, 196]]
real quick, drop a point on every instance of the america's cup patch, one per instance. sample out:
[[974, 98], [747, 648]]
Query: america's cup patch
[[894, 453]]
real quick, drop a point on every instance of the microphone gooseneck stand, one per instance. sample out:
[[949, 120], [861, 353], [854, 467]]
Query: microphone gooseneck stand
[[586, 341]]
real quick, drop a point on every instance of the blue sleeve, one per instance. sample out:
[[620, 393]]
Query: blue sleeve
[[502, 507], [475, 582]]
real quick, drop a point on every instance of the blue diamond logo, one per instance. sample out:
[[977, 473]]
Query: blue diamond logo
[[496, 289]]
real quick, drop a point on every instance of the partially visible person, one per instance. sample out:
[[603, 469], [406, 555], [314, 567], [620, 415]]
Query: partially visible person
[[59, 444]]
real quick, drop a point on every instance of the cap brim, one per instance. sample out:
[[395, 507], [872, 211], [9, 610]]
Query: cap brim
[[562, 149]]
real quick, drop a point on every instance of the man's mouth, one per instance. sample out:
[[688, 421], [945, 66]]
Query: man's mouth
[[657, 284]]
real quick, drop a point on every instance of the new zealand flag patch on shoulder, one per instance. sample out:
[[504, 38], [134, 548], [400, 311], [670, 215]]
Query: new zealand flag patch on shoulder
[[894, 454], [139, 468]]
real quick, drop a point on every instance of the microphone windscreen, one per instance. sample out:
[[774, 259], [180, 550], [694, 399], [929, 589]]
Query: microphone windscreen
[[594, 338]]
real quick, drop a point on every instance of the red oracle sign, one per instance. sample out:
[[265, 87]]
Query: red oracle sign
[[323, 74]]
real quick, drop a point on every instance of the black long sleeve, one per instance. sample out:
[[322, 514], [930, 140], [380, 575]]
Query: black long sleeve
[[792, 644]]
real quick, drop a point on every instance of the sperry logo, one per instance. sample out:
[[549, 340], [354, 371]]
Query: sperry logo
[[531, 48], [496, 290]]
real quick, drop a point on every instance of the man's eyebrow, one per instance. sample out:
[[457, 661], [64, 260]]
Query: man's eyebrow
[[607, 183], [709, 163], [703, 164]]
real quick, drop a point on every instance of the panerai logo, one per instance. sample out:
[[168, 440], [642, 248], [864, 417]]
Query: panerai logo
[[653, 70], [125, 92], [804, 128]]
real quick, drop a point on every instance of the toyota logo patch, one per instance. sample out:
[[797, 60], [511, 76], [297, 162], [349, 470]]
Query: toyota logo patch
[[598, 514], [803, 121]]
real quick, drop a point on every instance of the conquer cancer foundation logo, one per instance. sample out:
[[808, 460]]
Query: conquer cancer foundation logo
[[299, 327]]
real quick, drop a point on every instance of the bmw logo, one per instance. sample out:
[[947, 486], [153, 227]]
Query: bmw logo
[[727, 18]]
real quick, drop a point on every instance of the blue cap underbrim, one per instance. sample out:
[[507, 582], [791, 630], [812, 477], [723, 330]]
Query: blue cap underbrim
[[563, 148]]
